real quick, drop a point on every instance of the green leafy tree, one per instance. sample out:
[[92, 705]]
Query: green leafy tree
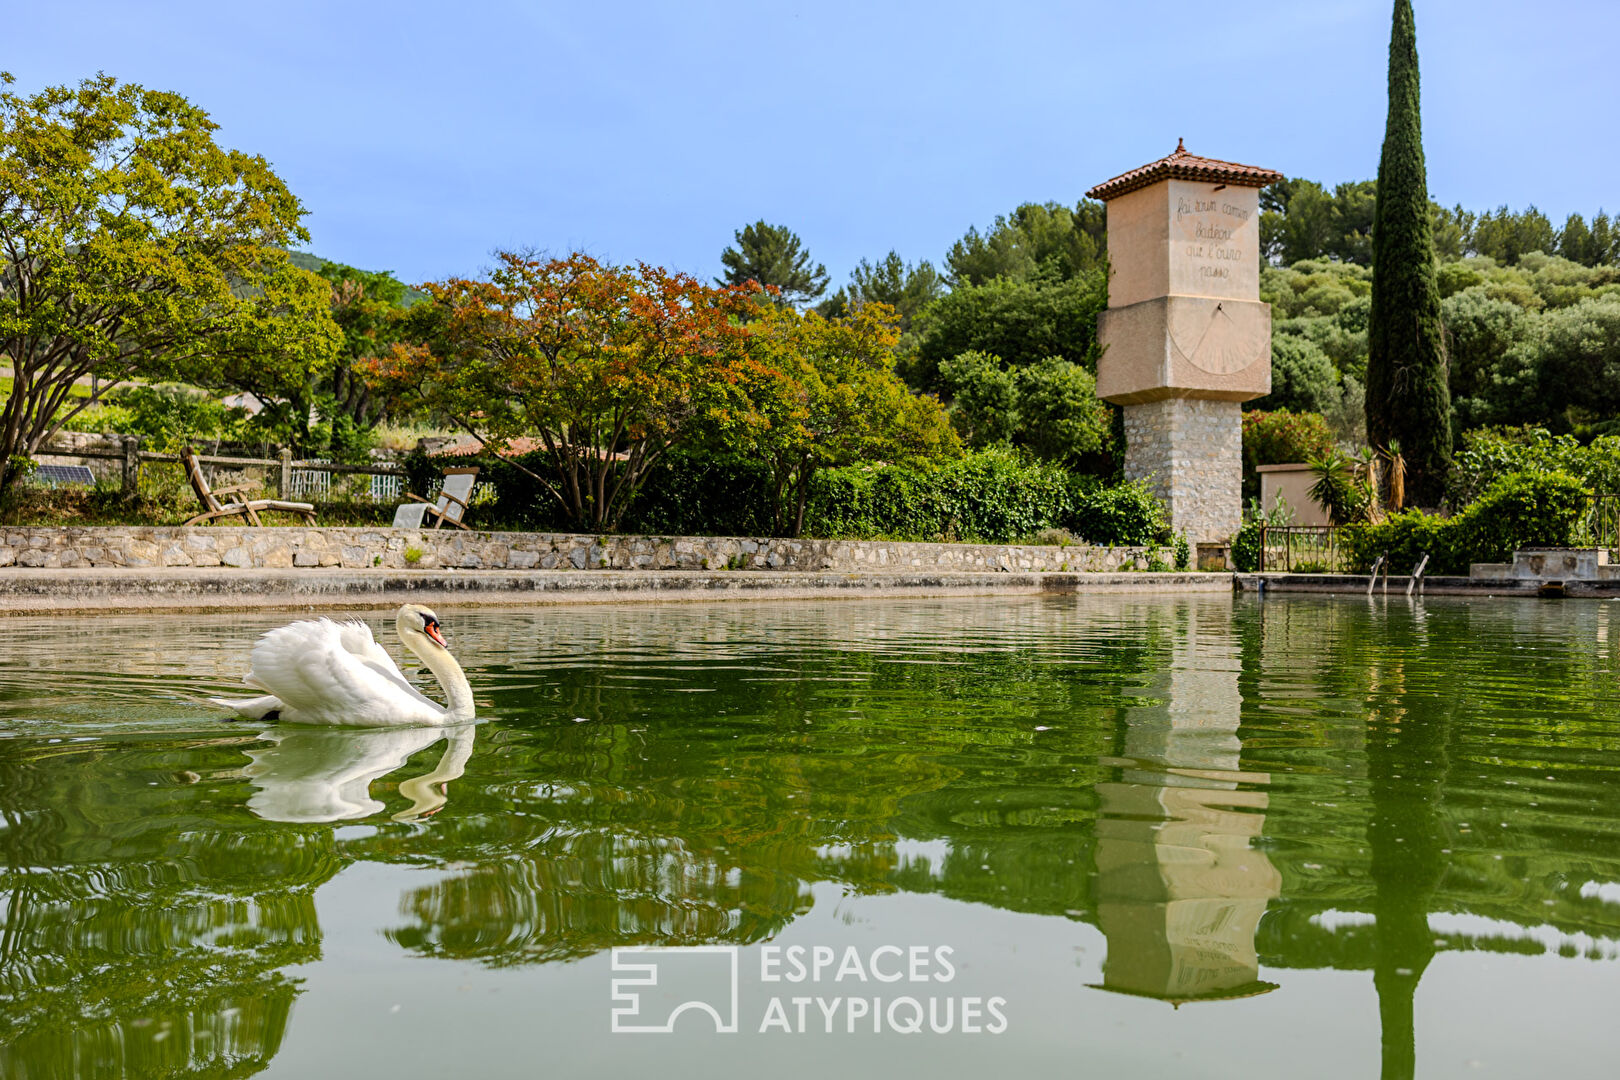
[[608, 367], [773, 255], [1038, 240], [1060, 417], [1299, 219], [1507, 237], [1452, 229], [1296, 221], [825, 394], [333, 410], [1494, 359], [1022, 322], [1579, 358], [1407, 395], [984, 398], [1049, 408], [132, 244], [891, 281], [1355, 209], [1303, 378], [1605, 241], [1575, 241], [368, 307]]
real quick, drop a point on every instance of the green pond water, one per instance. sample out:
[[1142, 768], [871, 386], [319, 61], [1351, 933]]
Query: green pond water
[[1094, 836]]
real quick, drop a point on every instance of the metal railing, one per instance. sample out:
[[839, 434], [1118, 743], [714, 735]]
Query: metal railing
[[1293, 549], [1599, 525], [293, 477], [1318, 549]]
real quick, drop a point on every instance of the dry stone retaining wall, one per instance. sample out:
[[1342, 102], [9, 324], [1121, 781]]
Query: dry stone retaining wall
[[358, 548]]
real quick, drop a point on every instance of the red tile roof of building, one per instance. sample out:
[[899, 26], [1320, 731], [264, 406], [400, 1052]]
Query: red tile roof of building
[[467, 446], [1184, 166]]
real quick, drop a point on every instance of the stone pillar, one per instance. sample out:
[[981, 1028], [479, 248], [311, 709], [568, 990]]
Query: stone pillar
[[1185, 336], [284, 479], [132, 466]]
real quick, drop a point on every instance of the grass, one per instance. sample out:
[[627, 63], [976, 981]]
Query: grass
[[6, 383]]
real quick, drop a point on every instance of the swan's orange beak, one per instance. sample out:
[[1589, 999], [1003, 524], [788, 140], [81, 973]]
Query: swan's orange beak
[[432, 631]]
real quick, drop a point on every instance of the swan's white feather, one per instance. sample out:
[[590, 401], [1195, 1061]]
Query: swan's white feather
[[254, 708], [324, 672], [356, 637]]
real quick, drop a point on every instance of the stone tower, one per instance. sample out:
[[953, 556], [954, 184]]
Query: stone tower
[[1185, 336]]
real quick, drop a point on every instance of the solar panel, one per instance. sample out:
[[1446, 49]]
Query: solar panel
[[57, 475]]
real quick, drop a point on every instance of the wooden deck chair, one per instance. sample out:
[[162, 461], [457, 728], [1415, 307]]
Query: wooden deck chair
[[450, 506], [239, 507]]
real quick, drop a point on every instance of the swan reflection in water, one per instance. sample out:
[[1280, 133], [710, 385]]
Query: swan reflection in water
[[309, 775]]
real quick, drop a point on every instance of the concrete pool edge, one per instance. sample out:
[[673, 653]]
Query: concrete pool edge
[[1396, 585], [46, 592]]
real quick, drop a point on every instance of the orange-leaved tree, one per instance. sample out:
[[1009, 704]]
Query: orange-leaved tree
[[825, 393], [608, 366]]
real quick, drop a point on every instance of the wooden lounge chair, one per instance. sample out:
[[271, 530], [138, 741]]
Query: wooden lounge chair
[[450, 506], [239, 507]]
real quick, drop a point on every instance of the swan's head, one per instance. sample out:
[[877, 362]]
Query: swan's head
[[416, 619]]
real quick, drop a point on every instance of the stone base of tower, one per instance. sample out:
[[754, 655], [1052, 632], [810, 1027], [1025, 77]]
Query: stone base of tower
[[1190, 450]]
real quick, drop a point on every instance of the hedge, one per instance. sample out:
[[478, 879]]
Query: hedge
[[993, 496], [1524, 509]]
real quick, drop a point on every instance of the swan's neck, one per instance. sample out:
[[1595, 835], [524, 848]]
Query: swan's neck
[[452, 680]]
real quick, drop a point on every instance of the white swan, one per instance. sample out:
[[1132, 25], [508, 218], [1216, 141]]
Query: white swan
[[322, 672]]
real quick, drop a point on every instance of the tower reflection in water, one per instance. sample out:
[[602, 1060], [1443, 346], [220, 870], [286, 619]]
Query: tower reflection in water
[[1180, 888]]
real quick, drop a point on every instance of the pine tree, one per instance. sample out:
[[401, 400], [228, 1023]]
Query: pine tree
[[1605, 243], [773, 255], [1575, 241], [1408, 400]]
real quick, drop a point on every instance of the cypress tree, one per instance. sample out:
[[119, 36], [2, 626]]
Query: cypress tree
[[1408, 400]]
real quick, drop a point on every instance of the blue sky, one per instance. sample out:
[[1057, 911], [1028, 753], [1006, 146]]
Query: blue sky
[[422, 137]]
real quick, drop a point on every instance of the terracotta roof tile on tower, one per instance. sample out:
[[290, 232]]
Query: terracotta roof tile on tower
[[1184, 166]]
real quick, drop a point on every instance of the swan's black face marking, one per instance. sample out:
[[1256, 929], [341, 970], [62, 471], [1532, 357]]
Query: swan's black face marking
[[273, 714]]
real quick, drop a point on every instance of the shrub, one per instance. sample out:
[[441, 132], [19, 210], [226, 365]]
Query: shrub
[[1526, 509], [1127, 513], [1488, 454], [172, 416], [1280, 437], [1246, 547]]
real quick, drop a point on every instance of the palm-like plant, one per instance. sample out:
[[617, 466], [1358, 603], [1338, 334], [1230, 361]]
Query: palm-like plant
[[1366, 479], [1339, 488]]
